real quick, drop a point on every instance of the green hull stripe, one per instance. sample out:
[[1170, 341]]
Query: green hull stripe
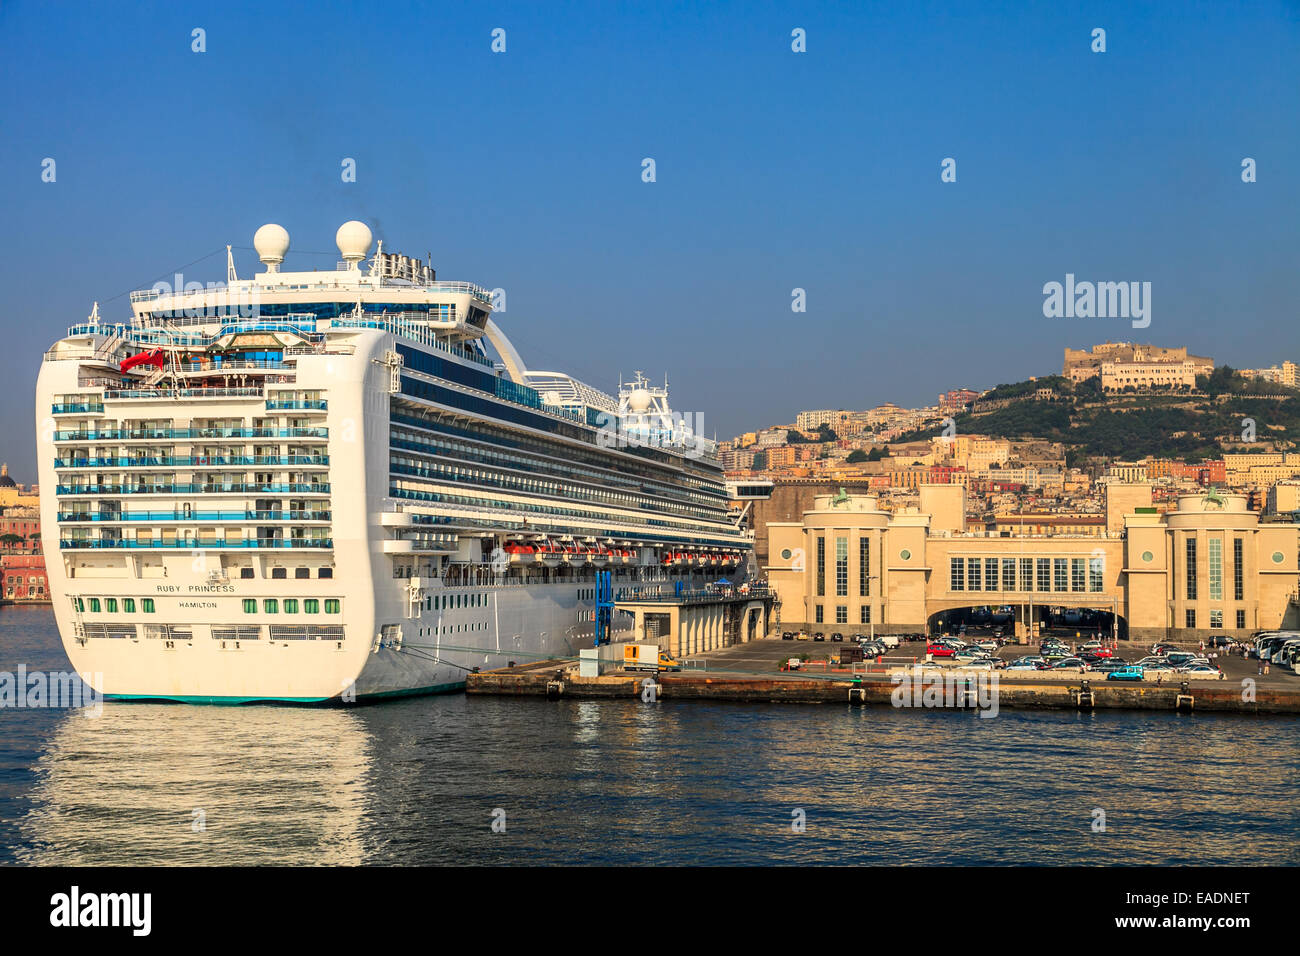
[[174, 698]]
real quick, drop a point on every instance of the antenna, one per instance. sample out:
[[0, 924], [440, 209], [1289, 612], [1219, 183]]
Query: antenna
[[230, 267], [93, 318]]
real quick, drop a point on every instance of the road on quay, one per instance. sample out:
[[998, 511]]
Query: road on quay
[[765, 657]]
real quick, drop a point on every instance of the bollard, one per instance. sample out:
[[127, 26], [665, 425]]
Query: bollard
[[554, 689], [857, 695]]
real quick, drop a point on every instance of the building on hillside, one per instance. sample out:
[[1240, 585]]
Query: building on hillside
[[956, 399], [1131, 364]]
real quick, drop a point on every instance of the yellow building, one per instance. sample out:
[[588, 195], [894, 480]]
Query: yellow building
[[1208, 567]]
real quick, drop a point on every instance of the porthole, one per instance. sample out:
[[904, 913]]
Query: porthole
[[905, 554], [1147, 555], [1278, 557], [785, 554]]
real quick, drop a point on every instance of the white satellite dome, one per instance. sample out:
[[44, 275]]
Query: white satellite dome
[[639, 400], [353, 239], [271, 243]]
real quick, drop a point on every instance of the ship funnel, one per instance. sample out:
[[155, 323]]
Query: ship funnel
[[271, 243], [353, 239]]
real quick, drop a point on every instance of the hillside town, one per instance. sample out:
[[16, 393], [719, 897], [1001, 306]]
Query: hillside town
[[1033, 480]]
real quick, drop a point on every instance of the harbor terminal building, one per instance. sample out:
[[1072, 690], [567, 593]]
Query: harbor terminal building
[[1208, 567]]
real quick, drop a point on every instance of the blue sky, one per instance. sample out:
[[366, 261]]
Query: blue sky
[[775, 170]]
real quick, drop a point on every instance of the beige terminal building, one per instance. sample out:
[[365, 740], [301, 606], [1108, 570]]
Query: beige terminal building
[[1209, 567]]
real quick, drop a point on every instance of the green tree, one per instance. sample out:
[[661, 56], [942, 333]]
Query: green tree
[[857, 456]]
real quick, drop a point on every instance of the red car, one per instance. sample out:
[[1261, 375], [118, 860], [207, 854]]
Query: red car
[[1097, 651], [939, 650]]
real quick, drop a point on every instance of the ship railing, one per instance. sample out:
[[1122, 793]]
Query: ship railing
[[191, 461], [182, 515], [321, 350], [290, 488], [424, 334], [157, 394], [172, 433], [78, 355], [194, 543]]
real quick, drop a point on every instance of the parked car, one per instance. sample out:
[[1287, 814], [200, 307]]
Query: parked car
[[1024, 665], [837, 637], [787, 635], [818, 636], [1107, 665], [891, 640], [1097, 650], [1163, 667], [1203, 670], [940, 650], [1070, 664], [1219, 640], [1132, 672], [1162, 648]]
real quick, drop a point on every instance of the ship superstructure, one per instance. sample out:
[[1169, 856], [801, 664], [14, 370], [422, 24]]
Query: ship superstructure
[[312, 485]]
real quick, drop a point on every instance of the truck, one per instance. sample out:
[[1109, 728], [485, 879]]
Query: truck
[[648, 657]]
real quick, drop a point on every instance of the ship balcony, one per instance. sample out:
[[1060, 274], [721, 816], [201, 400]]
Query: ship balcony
[[316, 405], [242, 393], [234, 488], [194, 544], [198, 461], [75, 517], [164, 434], [77, 408], [396, 519]]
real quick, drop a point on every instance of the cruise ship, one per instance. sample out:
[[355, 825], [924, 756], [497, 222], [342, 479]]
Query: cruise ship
[[335, 485]]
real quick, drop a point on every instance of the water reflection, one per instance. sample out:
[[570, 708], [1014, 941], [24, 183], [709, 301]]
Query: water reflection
[[154, 784]]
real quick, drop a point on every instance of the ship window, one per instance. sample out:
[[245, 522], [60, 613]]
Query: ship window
[[250, 606], [94, 605], [290, 605], [245, 572], [302, 572], [270, 605], [325, 573], [110, 605], [331, 605], [146, 605], [81, 605], [310, 606], [128, 605], [279, 573]]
